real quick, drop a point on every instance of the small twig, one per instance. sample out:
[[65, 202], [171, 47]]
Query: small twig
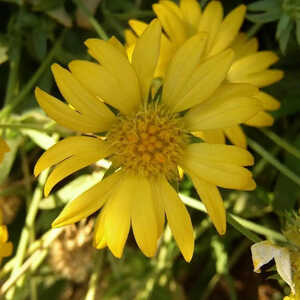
[[98, 28]]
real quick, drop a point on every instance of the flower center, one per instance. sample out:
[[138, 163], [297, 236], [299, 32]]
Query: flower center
[[150, 143]]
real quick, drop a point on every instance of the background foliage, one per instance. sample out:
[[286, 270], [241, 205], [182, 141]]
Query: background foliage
[[35, 33]]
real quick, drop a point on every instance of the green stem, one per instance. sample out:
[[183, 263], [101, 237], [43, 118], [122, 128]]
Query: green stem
[[245, 227], [42, 244], [31, 83], [260, 166], [25, 235], [273, 161], [14, 62], [94, 280], [281, 142], [42, 128], [98, 28]]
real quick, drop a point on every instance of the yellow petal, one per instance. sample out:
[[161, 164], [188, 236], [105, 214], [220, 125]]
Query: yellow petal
[[223, 174], [99, 240], [167, 51], [236, 136], [228, 154], [267, 101], [191, 13], [80, 98], [100, 83], [3, 234], [215, 136], [263, 78], [144, 61], [159, 209], [261, 119], [171, 23], [204, 81], [118, 213], [66, 148], [71, 165], [251, 64], [210, 196], [220, 113], [144, 217], [119, 67], [138, 26], [242, 46], [88, 202], [130, 37], [178, 219], [210, 22], [173, 7], [228, 29], [117, 44], [66, 116], [181, 68]]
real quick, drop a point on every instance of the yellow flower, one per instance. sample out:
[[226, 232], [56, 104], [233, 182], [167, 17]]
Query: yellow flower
[[183, 21], [146, 139], [3, 149], [6, 248]]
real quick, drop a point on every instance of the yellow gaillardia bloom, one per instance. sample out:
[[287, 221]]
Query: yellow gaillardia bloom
[[3, 149], [146, 139], [180, 22], [6, 248]]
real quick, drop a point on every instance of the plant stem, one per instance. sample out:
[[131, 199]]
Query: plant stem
[[98, 28], [243, 226], [260, 166], [41, 128], [43, 243], [29, 223], [14, 62], [30, 84], [93, 283], [281, 142], [273, 161]]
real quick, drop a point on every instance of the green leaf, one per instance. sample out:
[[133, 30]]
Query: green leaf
[[266, 17], [265, 5]]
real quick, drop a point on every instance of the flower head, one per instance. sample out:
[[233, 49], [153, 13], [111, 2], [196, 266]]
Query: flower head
[[181, 22], [146, 138]]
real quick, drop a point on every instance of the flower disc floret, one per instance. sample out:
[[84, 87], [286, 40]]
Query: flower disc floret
[[149, 143]]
